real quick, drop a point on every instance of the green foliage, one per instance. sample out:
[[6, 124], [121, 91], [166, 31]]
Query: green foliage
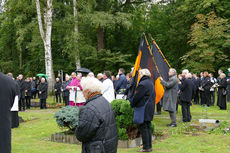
[[208, 37], [221, 130], [124, 117], [67, 117], [122, 23]]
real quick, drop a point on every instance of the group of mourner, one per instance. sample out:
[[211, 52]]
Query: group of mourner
[[97, 128]]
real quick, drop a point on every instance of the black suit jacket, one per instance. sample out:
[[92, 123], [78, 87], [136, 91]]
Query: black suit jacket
[[7, 95]]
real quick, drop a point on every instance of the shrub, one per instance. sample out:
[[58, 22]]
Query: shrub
[[67, 117]]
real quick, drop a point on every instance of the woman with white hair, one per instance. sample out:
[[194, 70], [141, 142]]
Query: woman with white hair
[[222, 85], [97, 128], [144, 106]]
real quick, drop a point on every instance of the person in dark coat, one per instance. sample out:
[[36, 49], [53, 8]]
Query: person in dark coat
[[145, 92], [222, 85], [228, 87], [7, 96], [33, 88], [57, 90], [201, 90], [121, 82], [14, 113], [186, 97], [195, 80], [43, 86], [28, 93], [96, 128], [65, 92], [206, 86], [22, 86], [170, 96]]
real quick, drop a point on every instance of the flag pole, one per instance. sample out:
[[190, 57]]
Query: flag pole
[[160, 51], [152, 55]]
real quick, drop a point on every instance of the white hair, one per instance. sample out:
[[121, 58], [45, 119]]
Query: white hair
[[189, 75], [173, 70], [144, 72], [92, 84], [43, 79], [100, 74], [185, 71], [91, 74]]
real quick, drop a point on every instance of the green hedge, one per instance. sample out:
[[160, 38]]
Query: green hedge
[[124, 120]]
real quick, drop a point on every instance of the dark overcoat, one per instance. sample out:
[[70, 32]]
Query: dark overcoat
[[22, 86], [97, 128], [65, 92], [7, 95], [228, 89], [187, 90], [28, 88], [221, 100], [57, 86], [170, 95], [144, 90], [43, 89]]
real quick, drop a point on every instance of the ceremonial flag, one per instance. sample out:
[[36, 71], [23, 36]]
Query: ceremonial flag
[[144, 60], [161, 62]]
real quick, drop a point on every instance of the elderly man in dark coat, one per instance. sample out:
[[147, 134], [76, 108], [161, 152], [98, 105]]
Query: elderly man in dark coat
[[187, 92], [22, 86], [145, 96], [65, 91], [97, 128], [170, 96], [28, 92], [222, 85], [43, 86], [7, 95]]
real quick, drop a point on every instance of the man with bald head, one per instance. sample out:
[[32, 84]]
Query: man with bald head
[[43, 93]]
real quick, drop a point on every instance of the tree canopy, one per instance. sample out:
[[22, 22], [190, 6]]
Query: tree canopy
[[192, 34]]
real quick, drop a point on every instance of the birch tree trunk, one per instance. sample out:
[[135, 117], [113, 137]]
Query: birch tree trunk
[[46, 37], [77, 57]]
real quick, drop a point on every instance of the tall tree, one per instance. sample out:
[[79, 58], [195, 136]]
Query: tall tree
[[46, 37], [209, 36]]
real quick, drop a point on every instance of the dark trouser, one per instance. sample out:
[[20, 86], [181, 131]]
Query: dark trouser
[[186, 111], [43, 103], [58, 96], [146, 133], [213, 98], [28, 102], [173, 117], [202, 98], [158, 107], [22, 104], [66, 100], [196, 98], [14, 119], [207, 98], [33, 94]]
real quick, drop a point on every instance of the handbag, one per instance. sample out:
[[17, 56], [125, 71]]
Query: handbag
[[139, 113]]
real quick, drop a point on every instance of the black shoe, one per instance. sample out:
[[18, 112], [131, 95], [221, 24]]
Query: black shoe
[[171, 125]]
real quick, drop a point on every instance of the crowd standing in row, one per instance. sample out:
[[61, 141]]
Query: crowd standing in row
[[97, 128]]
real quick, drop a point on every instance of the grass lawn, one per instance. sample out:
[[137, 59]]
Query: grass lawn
[[33, 136]]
